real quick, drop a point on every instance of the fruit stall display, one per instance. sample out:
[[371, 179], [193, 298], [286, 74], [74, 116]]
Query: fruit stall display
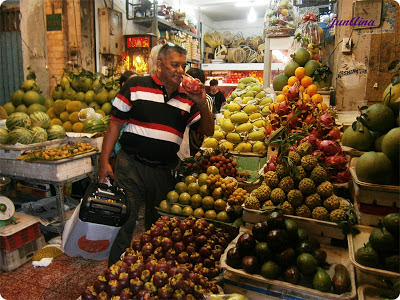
[[280, 18], [235, 76], [175, 259], [210, 190], [243, 125], [282, 255]]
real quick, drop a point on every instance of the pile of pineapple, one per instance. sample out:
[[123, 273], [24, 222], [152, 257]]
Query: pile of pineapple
[[301, 189]]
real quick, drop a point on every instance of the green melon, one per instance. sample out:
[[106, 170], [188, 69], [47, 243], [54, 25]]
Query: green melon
[[391, 97], [374, 167], [360, 139], [32, 97], [18, 119], [80, 96], [85, 84], [279, 82], [311, 66], [55, 132], [57, 93], [94, 125], [17, 97], [65, 82], [3, 136], [39, 135], [391, 144], [380, 117], [301, 56], [49, 102], [20, 135], [290, 68], [41, 119]]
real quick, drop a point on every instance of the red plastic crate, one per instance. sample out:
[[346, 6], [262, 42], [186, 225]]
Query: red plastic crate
[[14, 236]]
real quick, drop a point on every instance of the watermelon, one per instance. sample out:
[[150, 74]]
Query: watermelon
[[55, 132], [20, 135], [18, 119], [39, 135], [40, 119], [3, 136], [94, 125]]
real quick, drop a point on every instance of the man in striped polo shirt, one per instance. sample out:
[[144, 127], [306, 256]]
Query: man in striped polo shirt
[[156, 110]]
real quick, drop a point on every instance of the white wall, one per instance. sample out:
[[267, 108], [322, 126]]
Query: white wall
[[241, 26]]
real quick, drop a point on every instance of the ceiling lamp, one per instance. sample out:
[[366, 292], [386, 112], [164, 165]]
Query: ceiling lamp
[[252, 15]]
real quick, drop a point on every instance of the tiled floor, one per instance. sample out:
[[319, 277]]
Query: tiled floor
[[65, 278]]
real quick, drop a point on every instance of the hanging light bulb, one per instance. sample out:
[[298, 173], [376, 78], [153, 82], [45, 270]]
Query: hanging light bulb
[[252, 15]]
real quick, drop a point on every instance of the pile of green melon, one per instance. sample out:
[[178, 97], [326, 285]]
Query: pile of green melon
[[242, 129]]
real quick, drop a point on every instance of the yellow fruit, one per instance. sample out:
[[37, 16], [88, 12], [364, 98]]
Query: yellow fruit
[[233, 137], [64, 116], [218, 135], [50, 113], [210, 143], [255, 116], [77, 127], [59, 107], [250, 108], [239, 118], [243, 147], [56, 121], [67, 126], [258, 147], [232, 107], [256, 135], [73, 117], [226, 145], [245, 127], [227, 125], [259, 123], [280, 98], [227, 114]]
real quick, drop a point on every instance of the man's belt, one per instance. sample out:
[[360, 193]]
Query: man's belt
[[149, 163]]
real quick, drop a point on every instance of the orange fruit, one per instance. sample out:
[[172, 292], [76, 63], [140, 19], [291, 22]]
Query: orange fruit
[[312, 89], [273, 106], [300, 72], [317, 98], [301, 88], [280, 98], [306, 81], [285, 89], [324, 106], [306, 97], [292, 80]]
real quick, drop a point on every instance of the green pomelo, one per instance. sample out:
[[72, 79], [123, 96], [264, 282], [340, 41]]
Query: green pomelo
[[380, 117], [57, 93], [69, 93], [112, 94], [301, 56], [21, 108], [89, 96], [361, 139], [279, 82], [48, 102], [94, 105], [391, 97], [378, 143], [101, 97], [80, 96], [28, 85], [374, 167], [17, 97], [9, 107], [106, 107], [65, 82], [31, 97], [85, 84], [311, 66], [391, 144], [290, 68]]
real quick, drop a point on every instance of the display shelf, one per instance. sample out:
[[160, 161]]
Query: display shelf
[[233, 67]]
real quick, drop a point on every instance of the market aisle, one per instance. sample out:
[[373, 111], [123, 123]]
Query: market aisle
[[65, 278]]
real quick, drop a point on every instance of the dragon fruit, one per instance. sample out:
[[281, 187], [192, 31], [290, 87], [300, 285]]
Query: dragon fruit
[[339, 176], [337, 161], [327, 120], [329, 147], [191, 85], [334, 134]]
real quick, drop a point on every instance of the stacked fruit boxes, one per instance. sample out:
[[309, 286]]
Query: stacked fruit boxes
[[18, 242]]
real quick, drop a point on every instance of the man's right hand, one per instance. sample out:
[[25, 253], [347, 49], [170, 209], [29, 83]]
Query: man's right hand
[[105, 171]]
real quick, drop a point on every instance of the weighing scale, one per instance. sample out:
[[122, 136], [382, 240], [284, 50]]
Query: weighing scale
[[7, 210]]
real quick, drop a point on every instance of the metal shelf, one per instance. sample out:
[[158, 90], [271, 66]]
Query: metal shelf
[[233, 67]]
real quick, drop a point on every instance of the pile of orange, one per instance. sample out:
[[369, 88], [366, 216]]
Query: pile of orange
[[306, 86]]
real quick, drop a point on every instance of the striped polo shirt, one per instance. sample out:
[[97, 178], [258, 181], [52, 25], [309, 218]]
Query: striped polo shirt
[[154, 124]]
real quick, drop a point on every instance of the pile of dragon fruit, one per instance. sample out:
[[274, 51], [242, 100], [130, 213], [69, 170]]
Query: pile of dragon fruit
[[329, 154]]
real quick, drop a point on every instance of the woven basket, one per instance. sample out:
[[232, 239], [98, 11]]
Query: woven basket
[[221, 52], [256, 42], [236, 55], [227, 38]]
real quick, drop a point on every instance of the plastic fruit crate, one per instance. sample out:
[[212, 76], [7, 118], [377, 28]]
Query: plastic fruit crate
[[11, 260], [14, 236]]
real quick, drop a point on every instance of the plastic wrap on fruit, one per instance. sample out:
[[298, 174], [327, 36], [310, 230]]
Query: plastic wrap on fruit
[[191, 85]]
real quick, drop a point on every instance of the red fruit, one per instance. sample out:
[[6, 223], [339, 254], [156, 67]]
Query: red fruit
[[165, 218], [100, 284], [161, 267], [160, 279], [124, 280], [102, 296], [293, 93], [198, 228], [312, 139], [205, 251], [143, 295], [195, 258], [171, 263], [319, 155], [337, 161], [303, 105], [188, 237], [166, 232], [123, 266], [160, 223], [327, 120], [136, 245], [156, 241], [151, 266], [204, 221], [159, 253], [191, 248], [317, 133], [174, 223], [150, 288], [339, 176], [145, 238], [177, 281], [184, 226], [182, 258], [176, 235], [155, 231], [165, 292], [145, 276], [191, 85], [130, 259], [216, 253], [178, 294], [334, 134], [179, 247], [172, 271], [125, 294], [200, 240], [167, 243], [135, 270], [89, 293], [136, 285], [147, 249], [194, 277], [329, 147], [112, 273], [184, 271], [188, 287], [170, 254], [114, 288]]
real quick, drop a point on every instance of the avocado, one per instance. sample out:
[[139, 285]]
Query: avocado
[[322, 281], [392, 223], [306, 263], [367, 256], [341, 280]]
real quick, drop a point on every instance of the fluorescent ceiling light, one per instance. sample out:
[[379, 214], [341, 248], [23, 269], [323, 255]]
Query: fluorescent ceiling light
[[252, 15]]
